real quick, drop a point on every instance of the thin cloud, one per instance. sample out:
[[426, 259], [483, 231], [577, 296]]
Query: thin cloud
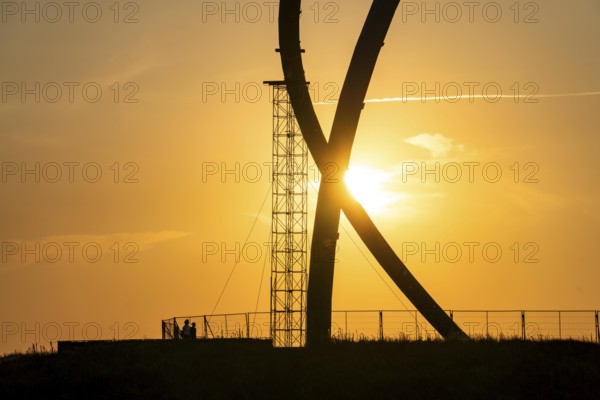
[[144, 240], [63, 247], [437, 144]]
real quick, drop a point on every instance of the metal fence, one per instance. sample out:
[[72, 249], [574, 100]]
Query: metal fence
[[242, 325], [408, 325]]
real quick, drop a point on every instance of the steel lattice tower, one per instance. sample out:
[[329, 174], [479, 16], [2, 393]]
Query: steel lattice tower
[[289, 224]]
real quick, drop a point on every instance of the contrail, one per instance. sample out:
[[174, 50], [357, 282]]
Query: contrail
[[479, 96], [470, 97]]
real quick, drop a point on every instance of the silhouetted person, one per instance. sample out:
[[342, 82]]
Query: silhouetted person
[[186, 330], [193, 331]]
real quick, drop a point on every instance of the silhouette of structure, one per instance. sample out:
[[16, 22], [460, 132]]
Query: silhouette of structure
[[288, 224], [333, 195]]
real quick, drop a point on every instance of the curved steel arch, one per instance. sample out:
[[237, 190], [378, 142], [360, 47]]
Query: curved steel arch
[[333, 194]]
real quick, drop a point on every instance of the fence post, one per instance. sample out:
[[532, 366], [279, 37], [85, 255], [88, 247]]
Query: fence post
[[346, 324], [559, 326], [597, 329], [487, 325], [205, 327], [452, 315], [417, 329], [381, 326], [248, 325], [523, 325], [163, 329]]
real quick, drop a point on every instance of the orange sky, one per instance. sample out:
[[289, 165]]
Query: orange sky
[[189, 106]]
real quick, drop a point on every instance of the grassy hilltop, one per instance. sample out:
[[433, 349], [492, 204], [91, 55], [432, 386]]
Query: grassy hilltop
[[251, 369]]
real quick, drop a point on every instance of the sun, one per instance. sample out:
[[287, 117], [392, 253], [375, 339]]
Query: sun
[[367, 186]]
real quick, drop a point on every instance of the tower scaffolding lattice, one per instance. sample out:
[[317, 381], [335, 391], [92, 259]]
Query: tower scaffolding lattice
[[289, 224]]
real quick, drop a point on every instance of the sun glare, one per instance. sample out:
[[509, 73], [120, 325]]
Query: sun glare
[[367, 186]]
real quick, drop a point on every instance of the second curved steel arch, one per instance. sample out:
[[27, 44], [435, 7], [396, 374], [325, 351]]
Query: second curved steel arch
[[333, 194]]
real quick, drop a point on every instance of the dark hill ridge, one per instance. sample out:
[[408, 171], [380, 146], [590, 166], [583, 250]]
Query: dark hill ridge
[[250, 369]]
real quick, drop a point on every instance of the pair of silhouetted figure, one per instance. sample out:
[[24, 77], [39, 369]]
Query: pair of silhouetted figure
[[188, 331]]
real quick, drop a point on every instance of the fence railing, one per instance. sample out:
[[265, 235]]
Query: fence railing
[[408, 325]]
